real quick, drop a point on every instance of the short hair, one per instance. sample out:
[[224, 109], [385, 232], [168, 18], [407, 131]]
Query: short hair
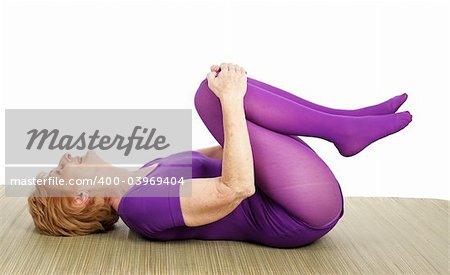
[[59, 216]]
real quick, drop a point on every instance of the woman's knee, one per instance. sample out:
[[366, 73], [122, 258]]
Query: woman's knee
[[204, 97], [200, 93]]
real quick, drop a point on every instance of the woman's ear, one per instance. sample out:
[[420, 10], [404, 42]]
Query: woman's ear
[[81, 199]]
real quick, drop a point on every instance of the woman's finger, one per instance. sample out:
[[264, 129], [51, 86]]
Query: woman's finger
[[215, 68], [225, 67], [211, 76]]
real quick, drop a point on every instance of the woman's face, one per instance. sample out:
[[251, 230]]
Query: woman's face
[[74, 169], [78, 167]]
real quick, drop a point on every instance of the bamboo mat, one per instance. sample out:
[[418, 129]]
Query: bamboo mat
[[375, 236]]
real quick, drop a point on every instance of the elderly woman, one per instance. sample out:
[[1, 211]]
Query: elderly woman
[[263, 184]]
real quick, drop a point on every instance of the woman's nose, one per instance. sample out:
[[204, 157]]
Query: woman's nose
[[65, 158]]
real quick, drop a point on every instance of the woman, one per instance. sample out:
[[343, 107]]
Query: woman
[[263, 184]]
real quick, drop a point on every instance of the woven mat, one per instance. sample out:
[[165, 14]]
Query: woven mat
[[375, 236]]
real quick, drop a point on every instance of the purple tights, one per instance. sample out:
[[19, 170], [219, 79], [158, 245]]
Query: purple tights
[[286, 168]]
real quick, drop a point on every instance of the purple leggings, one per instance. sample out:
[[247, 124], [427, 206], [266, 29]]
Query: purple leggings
[[286, 168]]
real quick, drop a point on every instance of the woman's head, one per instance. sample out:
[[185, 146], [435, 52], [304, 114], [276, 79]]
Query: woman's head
[[72, 212]]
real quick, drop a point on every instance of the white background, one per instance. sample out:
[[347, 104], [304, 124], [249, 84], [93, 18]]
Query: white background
[[137, 54]]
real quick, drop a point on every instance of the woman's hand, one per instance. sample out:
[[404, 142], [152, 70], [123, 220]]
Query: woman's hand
[[228, 81]]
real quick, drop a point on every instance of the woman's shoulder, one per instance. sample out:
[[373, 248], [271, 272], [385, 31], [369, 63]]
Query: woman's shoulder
[[145, 211], [184, 157]]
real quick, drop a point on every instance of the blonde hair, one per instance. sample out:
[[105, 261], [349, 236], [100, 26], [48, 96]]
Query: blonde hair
[[59, 216]]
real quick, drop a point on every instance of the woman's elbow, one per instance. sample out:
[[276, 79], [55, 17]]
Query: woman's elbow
[[241, 188], [247, 190], [250, 191]]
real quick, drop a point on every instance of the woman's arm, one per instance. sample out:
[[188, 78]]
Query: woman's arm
[[214, 198], [237, 163]]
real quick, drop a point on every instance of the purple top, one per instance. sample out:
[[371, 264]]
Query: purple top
[[257, 219]]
